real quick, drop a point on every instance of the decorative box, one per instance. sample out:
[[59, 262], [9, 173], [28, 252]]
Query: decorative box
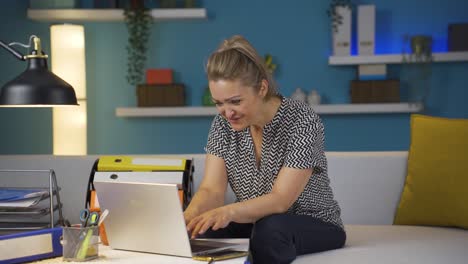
[[375, 91], [160, 95], [159, 76], [458, 37]]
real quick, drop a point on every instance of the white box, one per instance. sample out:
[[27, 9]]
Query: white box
[[342, 36], [372, 72], [366, 29]]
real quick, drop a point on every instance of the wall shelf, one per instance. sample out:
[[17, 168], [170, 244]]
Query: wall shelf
[[103, 15], [394, 58], [192, 111]]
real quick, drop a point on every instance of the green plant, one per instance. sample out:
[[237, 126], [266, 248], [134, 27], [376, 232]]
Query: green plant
[[269, 63], [416, 69], [335, 18], [138, 20], [420, 46]]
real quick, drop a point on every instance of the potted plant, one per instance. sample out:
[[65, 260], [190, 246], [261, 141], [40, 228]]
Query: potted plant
[[339, 13], [421, 48], [138, 20], [416, 69]]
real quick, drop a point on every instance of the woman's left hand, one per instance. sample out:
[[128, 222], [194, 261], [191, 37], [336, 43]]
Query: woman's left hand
[[215, 218]]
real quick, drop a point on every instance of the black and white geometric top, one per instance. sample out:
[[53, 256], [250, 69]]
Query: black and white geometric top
[[294, 138]]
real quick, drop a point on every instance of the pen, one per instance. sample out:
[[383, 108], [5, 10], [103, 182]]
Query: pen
[[103, 216]]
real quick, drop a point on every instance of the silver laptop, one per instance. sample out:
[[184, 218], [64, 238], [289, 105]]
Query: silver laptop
[[148, 217]]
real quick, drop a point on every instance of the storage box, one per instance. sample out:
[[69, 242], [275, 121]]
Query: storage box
[[375, 91], [159, 76], [160, 95], [458, 37], [366, 29], [367, 72], [341, 38]]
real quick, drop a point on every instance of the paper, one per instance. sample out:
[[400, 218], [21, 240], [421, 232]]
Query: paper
[[20, 194], [21, 203], [21, 197]]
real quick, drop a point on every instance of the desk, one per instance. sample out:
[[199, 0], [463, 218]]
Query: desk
[[108, 255]]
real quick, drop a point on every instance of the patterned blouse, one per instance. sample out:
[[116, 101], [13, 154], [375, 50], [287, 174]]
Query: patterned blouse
[[294, 138]]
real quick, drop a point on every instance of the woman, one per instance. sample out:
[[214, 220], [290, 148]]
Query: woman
[[270, 150]]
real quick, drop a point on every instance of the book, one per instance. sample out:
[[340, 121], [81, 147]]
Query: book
[[221, 255], [366, 29], [29, 246], [342, 36]]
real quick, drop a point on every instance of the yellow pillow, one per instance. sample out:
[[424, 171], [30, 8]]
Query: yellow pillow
[[436, 187]]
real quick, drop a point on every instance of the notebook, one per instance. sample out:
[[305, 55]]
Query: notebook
[[148, 217]]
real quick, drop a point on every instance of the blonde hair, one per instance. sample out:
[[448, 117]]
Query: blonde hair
[[237, 60]]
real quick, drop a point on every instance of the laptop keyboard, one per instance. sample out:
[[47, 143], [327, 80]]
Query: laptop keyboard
[[206, 245], [200, 248]]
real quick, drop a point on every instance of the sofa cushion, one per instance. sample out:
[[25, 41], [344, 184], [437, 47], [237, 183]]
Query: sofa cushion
[[435, 191], [390, 244]]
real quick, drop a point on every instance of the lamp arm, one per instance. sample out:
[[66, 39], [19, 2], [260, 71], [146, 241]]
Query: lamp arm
[[16, 53]]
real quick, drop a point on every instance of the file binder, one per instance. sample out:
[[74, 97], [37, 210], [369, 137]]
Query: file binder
[[127, 163], [168, 177], [155, 169], [29, 246]]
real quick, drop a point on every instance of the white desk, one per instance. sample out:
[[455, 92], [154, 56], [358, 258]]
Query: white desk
[[108, 255]]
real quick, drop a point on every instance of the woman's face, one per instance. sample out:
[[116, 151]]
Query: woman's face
[[237, 103]]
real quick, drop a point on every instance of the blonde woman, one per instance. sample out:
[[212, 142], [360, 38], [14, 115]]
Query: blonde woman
[[270, 149]]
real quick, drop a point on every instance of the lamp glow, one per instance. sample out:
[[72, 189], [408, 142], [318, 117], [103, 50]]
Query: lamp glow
[[68, 62]]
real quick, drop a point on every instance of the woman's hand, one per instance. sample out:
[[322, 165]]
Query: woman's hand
[[189, 215], [216, 219]]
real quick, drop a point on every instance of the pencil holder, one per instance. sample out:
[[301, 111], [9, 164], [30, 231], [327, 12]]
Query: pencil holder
[[80, 243]]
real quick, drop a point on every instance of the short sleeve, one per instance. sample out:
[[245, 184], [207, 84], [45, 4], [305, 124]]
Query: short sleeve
[[305, 148], [217, 143]]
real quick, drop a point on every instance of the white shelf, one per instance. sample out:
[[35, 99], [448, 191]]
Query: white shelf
[[394, 58], [388, 108], [165, 111], [101, 15], [381, 108]]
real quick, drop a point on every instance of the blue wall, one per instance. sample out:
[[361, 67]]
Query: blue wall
[[295, 32]]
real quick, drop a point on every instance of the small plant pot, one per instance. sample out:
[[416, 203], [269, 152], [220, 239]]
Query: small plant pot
[[421, 45]]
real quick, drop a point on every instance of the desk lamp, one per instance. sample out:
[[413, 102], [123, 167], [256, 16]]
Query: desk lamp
[[36, 86]]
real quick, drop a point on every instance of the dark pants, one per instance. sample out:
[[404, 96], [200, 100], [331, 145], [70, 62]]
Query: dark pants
[[280, 238]]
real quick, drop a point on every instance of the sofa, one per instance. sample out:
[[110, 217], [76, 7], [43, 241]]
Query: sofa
[[367, 185]]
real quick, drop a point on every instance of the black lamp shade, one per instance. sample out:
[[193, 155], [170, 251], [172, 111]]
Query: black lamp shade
[[37, 86]]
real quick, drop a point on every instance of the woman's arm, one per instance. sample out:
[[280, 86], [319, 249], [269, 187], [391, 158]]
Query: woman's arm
[[288, 186], [212, 189]]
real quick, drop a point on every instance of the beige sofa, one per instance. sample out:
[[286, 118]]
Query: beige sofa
[[367, 186]]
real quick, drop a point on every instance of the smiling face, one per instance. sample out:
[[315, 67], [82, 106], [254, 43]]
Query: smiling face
[[239, 104]]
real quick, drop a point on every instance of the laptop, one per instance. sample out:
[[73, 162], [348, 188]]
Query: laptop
[[148, 217]]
